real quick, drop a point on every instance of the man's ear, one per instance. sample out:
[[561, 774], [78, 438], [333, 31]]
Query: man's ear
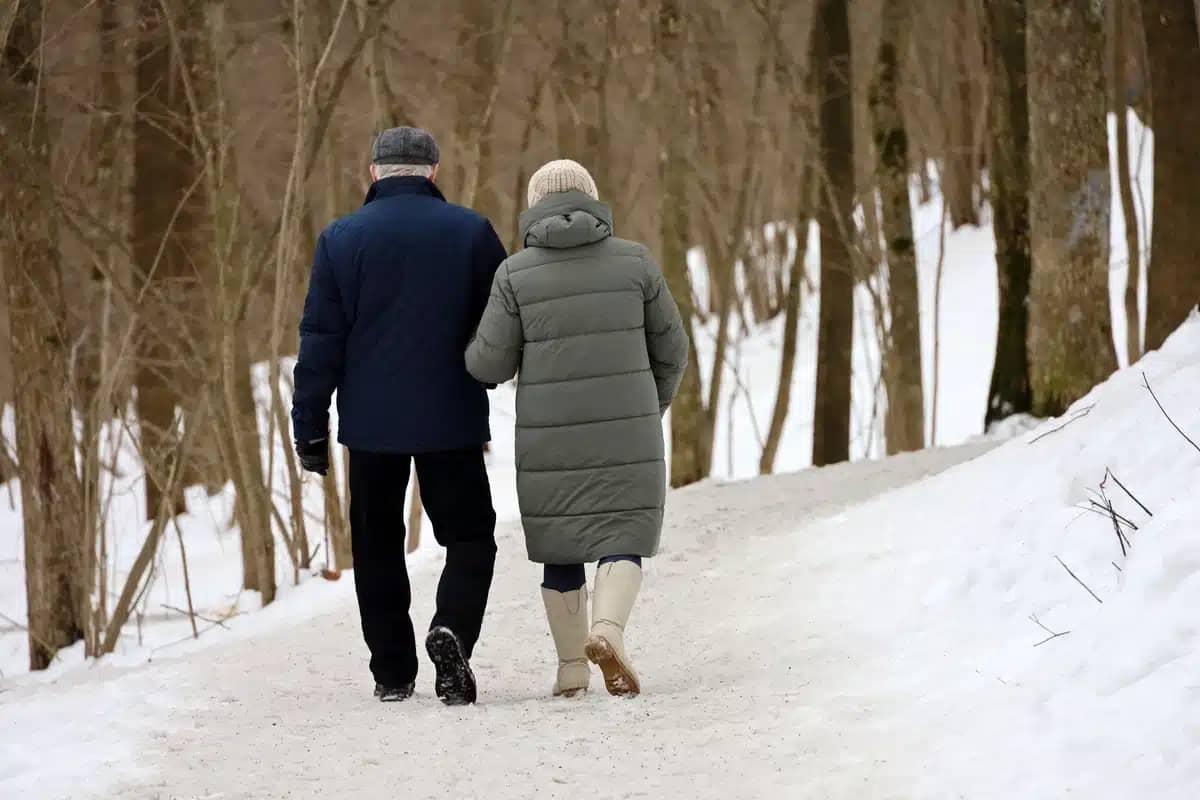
[[373, 173], [433, 175]]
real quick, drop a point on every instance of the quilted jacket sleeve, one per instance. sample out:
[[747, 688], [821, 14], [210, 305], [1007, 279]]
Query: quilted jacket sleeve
[[494, 354], [666, 340]]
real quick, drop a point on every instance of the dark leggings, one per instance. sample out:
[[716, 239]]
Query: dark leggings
[[569, 577]]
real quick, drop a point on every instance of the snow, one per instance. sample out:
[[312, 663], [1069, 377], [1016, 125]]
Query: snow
[[860, 630], [854, 631], [727, 669]]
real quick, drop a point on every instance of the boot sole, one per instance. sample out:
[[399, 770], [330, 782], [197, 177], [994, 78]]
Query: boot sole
[[396, 695], [455, 682], [619, 680]]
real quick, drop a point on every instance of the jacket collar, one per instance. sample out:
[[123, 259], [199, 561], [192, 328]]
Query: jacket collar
[[403, 184]]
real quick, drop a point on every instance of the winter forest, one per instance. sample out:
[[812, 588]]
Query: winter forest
[[946, 250]]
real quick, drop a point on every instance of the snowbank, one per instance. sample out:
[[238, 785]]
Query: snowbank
[[966, 564]]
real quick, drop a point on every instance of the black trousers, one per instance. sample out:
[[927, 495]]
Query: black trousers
[[458, 500]]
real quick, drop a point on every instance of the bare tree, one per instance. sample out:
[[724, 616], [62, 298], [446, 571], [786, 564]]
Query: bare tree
[[1008, 139], [51, 495], [835, 199], [905, 421], [687, 413], [791, 320], [1070, 326], [164, 199], [1173, 278]]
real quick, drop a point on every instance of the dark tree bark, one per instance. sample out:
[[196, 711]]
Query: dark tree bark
[[1173, 277], [165, 195], [905, 420], [835, 200], [51, 494], [688, 462], [1070, 325], [960, 165], [1008, 131]]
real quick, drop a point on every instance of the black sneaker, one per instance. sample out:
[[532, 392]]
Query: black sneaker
[[393, 694], [455, 682]]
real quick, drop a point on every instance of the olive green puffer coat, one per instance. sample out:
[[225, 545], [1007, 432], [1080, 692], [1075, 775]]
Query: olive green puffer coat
[[588, 320]]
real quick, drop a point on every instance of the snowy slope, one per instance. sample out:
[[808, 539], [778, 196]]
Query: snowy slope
[[950, 572]]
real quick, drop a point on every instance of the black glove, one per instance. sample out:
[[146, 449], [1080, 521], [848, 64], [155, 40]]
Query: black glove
[[314, 455]]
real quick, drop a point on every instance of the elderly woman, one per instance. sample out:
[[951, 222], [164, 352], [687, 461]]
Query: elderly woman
[[589, 322]]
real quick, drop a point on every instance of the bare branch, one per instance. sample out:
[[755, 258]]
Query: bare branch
[[1077, 415], [1081, 583], [1109, 474], [1146, 383]]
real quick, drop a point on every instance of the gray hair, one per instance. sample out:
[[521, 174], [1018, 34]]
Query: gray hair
[[396, 170]]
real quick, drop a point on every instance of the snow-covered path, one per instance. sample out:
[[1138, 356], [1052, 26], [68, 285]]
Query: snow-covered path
[[747, 661]]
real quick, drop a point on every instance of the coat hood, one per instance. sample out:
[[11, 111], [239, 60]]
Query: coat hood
[[566, 219]]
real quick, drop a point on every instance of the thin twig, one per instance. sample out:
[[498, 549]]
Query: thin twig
[[1146, 383], [1078, 415], [194, 615], [1116, 525], [40, 641], [1109, 473], [216, 624], [1107, 511], [1051, 638], [13, 622], [1081, 583], [1053, 635], [937, 319], [187, 580]]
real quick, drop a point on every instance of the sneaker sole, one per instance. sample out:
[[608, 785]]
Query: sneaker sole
[[394, 698], [455, 682], [619, 680]]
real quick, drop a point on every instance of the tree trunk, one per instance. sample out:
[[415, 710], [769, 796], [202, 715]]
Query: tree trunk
[[533, 106], [1070, 326], [905, 421], [787, 362], [1173, 277], [95, 401], [161, 131], [688, 464], [386, 109], [485, 38], [1117, 75], [1008, 130], [959, 166], [51, 495], [342, 556], [831, 58], [252, 490]]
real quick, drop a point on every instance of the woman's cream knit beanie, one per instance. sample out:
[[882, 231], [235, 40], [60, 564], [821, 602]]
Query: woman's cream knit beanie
[[560, 176]]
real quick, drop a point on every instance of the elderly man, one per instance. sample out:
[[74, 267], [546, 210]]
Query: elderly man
[[397, 289]]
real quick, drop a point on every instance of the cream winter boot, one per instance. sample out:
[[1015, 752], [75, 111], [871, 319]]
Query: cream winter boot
[[617, 585], [568, 616]]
